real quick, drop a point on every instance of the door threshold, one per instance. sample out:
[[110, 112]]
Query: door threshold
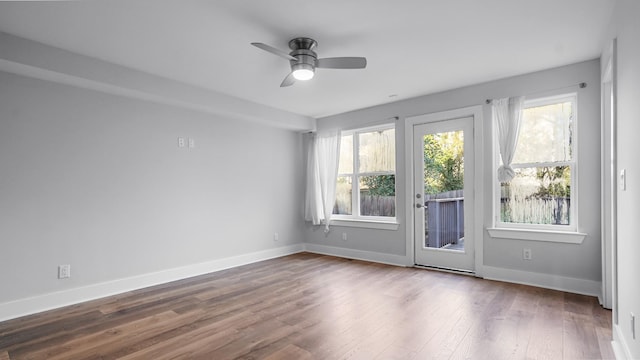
[[449, 270]]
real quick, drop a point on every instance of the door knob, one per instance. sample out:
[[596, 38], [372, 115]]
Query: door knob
[[418, 205]]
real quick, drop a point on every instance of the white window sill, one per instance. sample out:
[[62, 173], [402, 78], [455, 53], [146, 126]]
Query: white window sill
[[538, 235], [369, 224]]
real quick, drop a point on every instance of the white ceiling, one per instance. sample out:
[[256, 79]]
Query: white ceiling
[[413, 47]]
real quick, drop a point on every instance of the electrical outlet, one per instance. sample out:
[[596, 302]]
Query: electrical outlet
[[64, 271], [344, 236], [526, 254], [276, 237], [192, 143], [181, 142]]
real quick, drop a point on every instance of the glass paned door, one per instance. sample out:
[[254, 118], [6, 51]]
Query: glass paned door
[[443, 186]]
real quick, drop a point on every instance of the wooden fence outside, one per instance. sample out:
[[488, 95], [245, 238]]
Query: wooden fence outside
[[372, 205], [546, 210]]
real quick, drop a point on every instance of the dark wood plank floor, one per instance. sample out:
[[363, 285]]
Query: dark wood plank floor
[[308, 306]]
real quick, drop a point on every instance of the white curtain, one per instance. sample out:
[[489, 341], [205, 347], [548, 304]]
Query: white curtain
[[507, 114], [323, 153]]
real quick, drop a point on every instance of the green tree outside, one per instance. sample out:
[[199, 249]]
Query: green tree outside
[[554, 182], [380, 185], [443, 162]]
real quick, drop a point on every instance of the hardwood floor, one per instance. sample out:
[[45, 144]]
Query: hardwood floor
[[308, 306]]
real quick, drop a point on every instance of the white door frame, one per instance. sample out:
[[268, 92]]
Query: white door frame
[[477, 217], [609, 182]]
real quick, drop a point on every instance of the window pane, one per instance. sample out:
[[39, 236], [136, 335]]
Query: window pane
[[377, 151], [378, 195], [545, 134], [538, 195], [345, 165], [443, 162], [343, 196]]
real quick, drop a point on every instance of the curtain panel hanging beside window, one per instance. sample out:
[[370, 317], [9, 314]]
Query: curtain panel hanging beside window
[[323, 150], [507, 114]]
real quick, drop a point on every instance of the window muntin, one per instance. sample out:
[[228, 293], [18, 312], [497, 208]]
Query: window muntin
[[540, 195], [371, 151]]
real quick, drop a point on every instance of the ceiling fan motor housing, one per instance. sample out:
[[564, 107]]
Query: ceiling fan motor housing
[[302, 50]]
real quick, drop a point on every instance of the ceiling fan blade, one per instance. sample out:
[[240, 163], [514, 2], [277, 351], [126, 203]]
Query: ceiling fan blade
[[273, 50], [343, 63], [288, 81]]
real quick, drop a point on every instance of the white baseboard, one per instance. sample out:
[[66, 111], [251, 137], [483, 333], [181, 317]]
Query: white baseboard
[[36, 304], [390, 259], [619, 345], [555, 282], [548, 281]]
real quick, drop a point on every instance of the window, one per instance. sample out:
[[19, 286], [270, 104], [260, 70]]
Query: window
[[366, 175], [540, 195]]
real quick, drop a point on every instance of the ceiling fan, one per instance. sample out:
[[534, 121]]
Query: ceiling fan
[[304, 60]]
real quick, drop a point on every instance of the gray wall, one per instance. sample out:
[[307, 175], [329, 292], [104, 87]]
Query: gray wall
[[626, 28], [580, 261], [98, 181]]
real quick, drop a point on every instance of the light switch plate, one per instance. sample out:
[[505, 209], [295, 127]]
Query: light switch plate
[[64, 271]]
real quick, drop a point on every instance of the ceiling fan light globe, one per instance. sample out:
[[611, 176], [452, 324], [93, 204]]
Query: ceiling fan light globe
[[302, 71], [303, 74]]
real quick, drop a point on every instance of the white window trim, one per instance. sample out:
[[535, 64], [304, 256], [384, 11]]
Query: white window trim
[[568, 237], [374, 222], [369, 224], [540, 232]]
